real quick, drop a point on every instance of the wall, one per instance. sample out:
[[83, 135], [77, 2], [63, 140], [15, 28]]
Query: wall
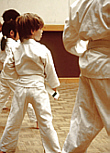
[[52, 11], [66, 64]]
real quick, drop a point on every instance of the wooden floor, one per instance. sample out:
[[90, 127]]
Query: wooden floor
[[29, 136]]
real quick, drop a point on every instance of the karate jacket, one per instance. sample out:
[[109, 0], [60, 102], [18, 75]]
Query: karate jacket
[[34, 63], [89, 20]]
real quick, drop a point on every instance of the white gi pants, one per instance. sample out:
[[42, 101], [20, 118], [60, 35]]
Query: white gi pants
[[39, 98], [8, 86], [91, 112]]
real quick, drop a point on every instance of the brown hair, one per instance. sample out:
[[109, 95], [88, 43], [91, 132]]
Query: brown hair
[[9, 17], [0, 27], [10, 14], [26, 23]]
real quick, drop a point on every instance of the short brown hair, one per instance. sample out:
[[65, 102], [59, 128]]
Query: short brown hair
[[28, 22]]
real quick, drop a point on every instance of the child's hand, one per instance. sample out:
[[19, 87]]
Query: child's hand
[[52, 91], [56, 95]]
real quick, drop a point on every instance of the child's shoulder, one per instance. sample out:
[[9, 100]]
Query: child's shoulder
[[40, 46], [11, 44]]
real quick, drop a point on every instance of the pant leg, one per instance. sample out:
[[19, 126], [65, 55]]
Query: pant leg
[[9, 138], [101, 92], [86, 122], [31, 113], [40, 100], [41, 104], [5, 105], [4, 93]]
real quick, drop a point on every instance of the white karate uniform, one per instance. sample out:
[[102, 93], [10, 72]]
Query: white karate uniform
[[9, 78], [2, 54], [33, 63], [89, 21]]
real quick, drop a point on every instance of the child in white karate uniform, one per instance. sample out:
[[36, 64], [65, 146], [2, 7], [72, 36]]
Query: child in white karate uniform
[[34, 64], [89, 20], [8, 76]]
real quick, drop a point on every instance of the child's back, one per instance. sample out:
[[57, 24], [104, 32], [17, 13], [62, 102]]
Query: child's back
[[34, 63], [9, 71]]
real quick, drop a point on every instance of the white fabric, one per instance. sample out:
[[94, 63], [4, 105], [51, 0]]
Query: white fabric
[[31, 113], [90, 113], [8, 71], [52, 92], [8, 86], [33, 60], [80, 47], [40, 101], [1, 35], [2, 54], [5, 89], [88, 21], [5, 105], [9, 78]]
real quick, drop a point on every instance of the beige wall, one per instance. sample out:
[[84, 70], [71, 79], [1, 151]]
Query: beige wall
[[52, 11]]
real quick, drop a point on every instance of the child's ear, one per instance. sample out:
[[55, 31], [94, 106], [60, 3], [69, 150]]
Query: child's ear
[[32, 32], [12, 34]]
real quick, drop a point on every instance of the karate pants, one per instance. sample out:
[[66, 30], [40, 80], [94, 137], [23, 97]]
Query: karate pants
[[8, 86], [91, 113], [39, 98]]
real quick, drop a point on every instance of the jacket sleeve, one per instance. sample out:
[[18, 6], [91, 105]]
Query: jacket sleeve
[[50, 72], [71, 39]]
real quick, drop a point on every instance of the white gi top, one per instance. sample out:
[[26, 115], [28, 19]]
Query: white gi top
[[2, 53], [34, 63], [8, 71], [1, 35], [89, 20]]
